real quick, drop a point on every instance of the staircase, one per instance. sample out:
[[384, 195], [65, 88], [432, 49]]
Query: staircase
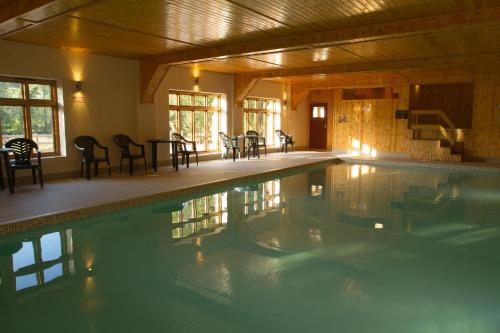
[[435, 137]]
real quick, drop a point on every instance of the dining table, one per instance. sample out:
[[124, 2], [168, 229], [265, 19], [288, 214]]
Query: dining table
[[173, 149], [4, 152]]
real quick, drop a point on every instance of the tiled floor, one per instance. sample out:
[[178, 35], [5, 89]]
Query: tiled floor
[[30, 201]]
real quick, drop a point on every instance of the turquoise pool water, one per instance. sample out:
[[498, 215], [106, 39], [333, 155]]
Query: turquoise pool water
[[346, 248]]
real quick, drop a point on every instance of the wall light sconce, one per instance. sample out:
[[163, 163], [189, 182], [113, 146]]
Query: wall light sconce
[[78, 96], [196, 83]]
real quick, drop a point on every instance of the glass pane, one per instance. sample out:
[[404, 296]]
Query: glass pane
[[277, 125], [42, 130], [187, 210], [213, 130], [199, 101], [252, 104], [40, 91], [261, 104], [172, 121], [270, 105], [213, 101], [261, 123], [199, 121], [315, 112], [269, 129], [51, 246], [252, 121], [200, 206], [185, 100], [187, 124], [245, 104], [213, 203], [11, 119], [53, 272], [24, 257], [11, 90], [322, 112], [26, 281], [172, 99]]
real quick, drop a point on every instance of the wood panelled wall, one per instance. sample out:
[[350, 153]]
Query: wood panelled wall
[[379, 129], [454, 99]]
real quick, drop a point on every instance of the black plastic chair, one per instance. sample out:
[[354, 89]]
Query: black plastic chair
[[22, 148], [182, 148], [229, 144], [123, 142], [261, 142], [85, 145], [252, 143], [285, 140]]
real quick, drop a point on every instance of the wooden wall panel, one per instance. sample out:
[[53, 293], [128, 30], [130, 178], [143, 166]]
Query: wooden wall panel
[[456, 100]]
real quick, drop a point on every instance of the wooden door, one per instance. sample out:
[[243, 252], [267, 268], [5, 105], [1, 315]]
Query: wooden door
[[318, 126]]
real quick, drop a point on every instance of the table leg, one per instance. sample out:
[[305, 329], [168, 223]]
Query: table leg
[[154, 155], [175, 157], [8, 172], [244, 146], [2, 185]]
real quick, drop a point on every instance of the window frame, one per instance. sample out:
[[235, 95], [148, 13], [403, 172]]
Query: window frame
[[193, 109], [39, 266], [273, 113], [26, 103], [181, 222]]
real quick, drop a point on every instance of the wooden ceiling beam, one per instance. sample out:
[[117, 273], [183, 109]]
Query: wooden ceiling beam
[[370, 32], [383, 66], [17, 8]]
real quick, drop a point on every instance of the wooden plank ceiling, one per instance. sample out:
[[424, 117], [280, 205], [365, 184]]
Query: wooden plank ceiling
[[141, 29]]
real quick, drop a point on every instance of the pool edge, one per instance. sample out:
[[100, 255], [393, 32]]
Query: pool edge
[[51, 219]]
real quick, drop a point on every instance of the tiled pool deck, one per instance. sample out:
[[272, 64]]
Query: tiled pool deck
[[72, 199], [32, 207]]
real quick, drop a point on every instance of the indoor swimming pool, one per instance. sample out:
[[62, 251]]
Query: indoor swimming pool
[[344, 248]]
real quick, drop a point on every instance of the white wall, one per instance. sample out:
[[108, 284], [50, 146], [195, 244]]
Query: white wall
[[110, 88], [112, 104]]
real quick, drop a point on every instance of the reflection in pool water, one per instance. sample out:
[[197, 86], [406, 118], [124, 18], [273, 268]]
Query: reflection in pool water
[[349, 248]]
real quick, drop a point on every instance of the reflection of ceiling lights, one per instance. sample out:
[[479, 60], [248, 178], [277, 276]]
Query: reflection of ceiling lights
[[366, 108], [378, 226]]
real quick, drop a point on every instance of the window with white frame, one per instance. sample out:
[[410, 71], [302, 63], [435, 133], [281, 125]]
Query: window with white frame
[[264, 116], [197, 117]]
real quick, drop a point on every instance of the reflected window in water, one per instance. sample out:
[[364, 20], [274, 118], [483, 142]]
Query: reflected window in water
[[43, 260], [264, 197], [200, 216]]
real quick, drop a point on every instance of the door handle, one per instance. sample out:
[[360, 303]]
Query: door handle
[[325, 125]]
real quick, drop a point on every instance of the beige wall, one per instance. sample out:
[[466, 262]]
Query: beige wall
[[110, 87], [181, 78]]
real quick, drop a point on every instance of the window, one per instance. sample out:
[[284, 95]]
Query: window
[[45, 259], [264, 197], [264, 116], [200, 216], [197, 117], [318, 112], [28, 108]]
